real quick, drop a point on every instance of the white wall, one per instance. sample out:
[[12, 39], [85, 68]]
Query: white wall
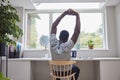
[[110, 27], [117, 8], [21, 24]]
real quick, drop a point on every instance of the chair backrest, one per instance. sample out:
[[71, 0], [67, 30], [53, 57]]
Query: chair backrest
[[61, 68]]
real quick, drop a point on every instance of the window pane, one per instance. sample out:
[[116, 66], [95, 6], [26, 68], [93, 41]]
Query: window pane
[[38, 31], [91, 28]]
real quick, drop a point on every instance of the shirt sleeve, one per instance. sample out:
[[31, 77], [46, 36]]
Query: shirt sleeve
[[53, 40], [68, 46]]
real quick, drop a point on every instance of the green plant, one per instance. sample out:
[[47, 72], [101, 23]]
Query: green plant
[[90, 42], [8, 23], [2, 77]]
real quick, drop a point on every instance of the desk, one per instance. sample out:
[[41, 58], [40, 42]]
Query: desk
[[38, 68]]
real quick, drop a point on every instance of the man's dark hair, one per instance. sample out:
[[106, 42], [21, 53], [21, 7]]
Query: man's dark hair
[[64, 35]]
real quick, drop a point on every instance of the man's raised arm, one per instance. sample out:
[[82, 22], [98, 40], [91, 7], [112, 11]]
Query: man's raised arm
[[77, 27], [54, 25]]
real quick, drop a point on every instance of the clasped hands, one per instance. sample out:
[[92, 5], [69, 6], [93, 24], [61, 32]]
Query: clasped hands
[[71, 12]]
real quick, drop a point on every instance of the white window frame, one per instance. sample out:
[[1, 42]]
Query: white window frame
[[50, 12]]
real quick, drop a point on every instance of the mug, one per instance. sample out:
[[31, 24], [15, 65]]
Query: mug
[[74, 53]]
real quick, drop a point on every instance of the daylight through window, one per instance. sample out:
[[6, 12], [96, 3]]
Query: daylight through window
[[39, 25]]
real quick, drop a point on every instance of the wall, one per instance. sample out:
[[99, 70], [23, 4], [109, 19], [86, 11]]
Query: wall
[[110, 27], [21, 24], [117, 8]]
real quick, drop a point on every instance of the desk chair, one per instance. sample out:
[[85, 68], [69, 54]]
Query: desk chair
[[62, 69]]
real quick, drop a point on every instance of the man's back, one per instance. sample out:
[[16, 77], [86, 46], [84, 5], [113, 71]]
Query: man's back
[[60, 51]]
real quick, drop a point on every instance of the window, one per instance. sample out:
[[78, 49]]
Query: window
[[39, 24], [91, 28], [37, 31]]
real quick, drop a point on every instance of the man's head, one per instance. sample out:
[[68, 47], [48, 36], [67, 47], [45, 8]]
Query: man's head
[[64, 35]]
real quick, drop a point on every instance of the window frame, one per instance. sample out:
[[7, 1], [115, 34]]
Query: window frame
[[50, 12]]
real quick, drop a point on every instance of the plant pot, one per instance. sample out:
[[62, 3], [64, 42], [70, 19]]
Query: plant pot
[[2, 49], [11, 55], [91, 47], [16, 54], [11, 51]]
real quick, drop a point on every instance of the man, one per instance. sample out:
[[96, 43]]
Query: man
[[61, 49]]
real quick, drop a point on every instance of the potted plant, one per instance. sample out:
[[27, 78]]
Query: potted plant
[[8, 25], [2, 77], [90, 44]]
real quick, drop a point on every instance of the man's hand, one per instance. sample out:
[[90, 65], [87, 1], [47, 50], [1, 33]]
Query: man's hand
[[72, 12]]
